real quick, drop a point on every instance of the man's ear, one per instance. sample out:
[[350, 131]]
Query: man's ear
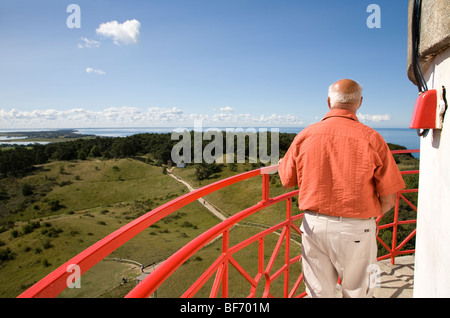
[[329, 104], [360, 103]]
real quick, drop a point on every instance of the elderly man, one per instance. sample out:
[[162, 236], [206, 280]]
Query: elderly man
[[346, 177]]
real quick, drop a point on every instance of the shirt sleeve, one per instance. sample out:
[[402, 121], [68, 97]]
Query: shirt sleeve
[[287, 168], [388, 179]]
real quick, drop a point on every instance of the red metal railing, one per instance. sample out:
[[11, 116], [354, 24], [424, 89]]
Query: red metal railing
[[57, 281], [396, 249]]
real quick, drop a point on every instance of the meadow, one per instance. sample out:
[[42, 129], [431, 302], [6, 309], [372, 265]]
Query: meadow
[[93, 198]]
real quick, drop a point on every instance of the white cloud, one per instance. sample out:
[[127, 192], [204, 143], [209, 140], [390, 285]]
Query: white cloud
[[91, 70], [126, 33], [227, 109], [373, 118], [88, 43], [136, 117]]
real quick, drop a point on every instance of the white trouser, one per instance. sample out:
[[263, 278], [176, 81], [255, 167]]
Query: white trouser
[[337, 247]]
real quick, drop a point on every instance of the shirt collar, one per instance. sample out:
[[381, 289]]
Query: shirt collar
[[341, 113]]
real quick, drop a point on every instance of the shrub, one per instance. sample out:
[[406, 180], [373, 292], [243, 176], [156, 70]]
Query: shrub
[[51, 232], [3, 194], [47, 244], [55, 205], [27, 189], [6, 254], [30, 227], [46, 263], [64, 183]]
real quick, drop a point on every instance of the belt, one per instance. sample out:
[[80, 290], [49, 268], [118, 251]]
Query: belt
[[335, 218]]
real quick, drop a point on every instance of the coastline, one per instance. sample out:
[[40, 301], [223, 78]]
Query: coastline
[[400, 136]]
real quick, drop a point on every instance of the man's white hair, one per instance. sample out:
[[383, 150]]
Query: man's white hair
[[344, 98]]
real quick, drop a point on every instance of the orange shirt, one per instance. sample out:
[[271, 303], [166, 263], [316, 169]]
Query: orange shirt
[[340, 167]]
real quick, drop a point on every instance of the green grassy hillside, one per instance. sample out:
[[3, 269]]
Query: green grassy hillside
[[94, 198]]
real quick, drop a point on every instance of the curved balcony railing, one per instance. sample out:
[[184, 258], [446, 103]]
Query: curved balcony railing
[[395, 248], [267, 273]]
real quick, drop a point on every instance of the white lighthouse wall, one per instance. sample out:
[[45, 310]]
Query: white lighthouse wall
[[432, 260]]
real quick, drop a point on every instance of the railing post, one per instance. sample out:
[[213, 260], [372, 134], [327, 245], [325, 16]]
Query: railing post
[[225, 246], [261, 255], [394, 229], [265, 187], [288, 247]]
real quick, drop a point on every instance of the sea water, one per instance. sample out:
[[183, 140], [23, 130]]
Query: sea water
[[399, 136]]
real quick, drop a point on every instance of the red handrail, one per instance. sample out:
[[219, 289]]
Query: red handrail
[[56, 282], [396, 249]]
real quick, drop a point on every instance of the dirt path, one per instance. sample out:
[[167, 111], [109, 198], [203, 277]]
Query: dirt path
[[203, 201]]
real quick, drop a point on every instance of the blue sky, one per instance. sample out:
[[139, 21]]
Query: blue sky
[[261, 63]]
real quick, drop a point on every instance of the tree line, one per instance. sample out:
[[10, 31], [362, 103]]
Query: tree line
[[18, 159], [159, 146]]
